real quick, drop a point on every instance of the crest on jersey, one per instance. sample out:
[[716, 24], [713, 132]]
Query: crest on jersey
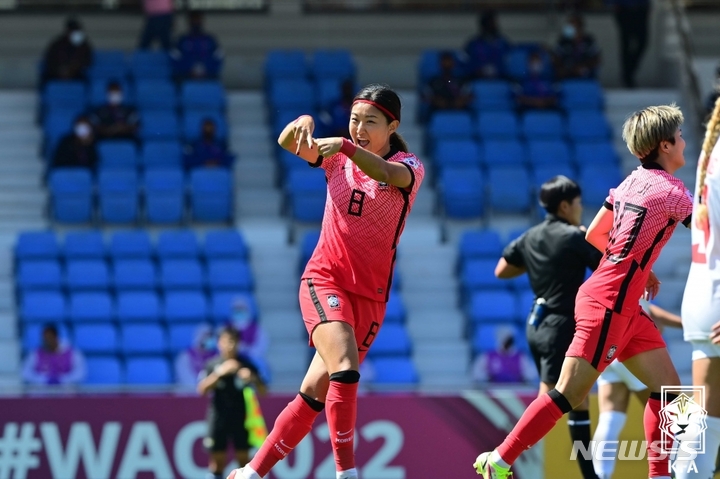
[[333, 301], [611, 352], [412, 162]]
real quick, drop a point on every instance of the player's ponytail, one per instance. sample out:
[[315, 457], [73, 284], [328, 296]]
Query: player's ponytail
[[388, 102], [712, 132]]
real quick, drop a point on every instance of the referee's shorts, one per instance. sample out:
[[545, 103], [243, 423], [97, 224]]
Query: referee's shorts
[[224, 427], [549, 343]]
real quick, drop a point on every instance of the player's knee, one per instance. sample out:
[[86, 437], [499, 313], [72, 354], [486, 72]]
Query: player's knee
[[314, 404], [560, 401], [346, 377]]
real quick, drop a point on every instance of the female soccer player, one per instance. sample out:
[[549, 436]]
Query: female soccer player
[[631, 229], [701, 302], [372, 184]]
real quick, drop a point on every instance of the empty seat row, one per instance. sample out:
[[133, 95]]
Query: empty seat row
[[479, 274], [150, 370], [322, 64], [138, 65]]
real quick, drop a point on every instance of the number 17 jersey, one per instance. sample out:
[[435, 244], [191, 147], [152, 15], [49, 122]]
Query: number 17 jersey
[[646, 206]]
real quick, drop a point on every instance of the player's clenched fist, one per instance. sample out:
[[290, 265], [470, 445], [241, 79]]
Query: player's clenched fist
[[328, 146]]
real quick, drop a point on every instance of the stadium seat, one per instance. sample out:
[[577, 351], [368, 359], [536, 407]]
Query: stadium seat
[[84, 245], [71, 191], [543, 173], [181, 337], [203, 95], [32, 334], [479, 274], [36, 275], [134, 274], [307, 247], [130, 244], [181, 274], [395, 371], [57, 123], [95, 338], [525, 301], [117, 154], [107, 65], [164, 195], [516, 61], [588, 126], [596, 181], [185, 307], [327, 91], [43, 307], [333, 64], [177, 244], [492, 307], [489, 95], [475, 244], [91, 307], [395, 311], [63, 94], [509, 189], [143, 339], [307, 190], [161, 154], [581, 95], [156, 95], [193, 121], [450, 125], [485, 338], [596, 152], [392, 340], [159, 125], [36, 245], [429, 66], [150, 65], [221, 304], [543, 125], [118, 196], [463, 192], [147, 371], [497, 125], [292, 93], [457, 153], [211, 195], [549, 152], [224, 244], [285, 64], [229, 274], [138, 306], [504, 153], [103, 370], [87, 275]]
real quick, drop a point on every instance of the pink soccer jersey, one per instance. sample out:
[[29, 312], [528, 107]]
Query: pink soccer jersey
[[361, 226], [647, 206]]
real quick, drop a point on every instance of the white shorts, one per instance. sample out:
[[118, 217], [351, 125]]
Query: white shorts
[[705, 349], [616, 372]]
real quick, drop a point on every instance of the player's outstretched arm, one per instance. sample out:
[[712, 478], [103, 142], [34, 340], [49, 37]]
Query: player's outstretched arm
[[598, 233], [297, 138]]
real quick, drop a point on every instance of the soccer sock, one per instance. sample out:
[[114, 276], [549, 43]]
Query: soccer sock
[[341, 413], [248, 472], [291, 426], [609, 426], [539, 418], [579, 425], [349, 474], [658, 461], [705, 463]]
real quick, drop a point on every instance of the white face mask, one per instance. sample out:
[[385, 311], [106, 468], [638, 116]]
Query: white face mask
[[569, 31], [115, 97], [77, 37], [82, 130]]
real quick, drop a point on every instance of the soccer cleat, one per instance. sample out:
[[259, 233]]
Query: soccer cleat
[[488, 469]]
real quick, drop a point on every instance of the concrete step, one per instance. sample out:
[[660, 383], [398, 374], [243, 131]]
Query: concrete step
[[289, 356], [257, 203], [284, 325], [8, 326], [436, 324], [281, 299], [10, 354], [255, 174]]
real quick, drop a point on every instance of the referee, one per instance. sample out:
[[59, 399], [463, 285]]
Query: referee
[[555, 256]]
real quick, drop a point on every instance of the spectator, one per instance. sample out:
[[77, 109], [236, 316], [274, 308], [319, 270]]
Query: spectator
[[68, 56], [632, 18], [208, 151], [253, 339], [504, 365], [334, 118], [158, 24], [714, 94], [447, 91], [191, 362], [55, 362], [536, 91], [576, 53], [486, 51], [115, 120], [197, 54], [78, 148]]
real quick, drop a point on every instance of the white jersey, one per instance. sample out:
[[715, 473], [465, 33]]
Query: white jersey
[[701, 301]]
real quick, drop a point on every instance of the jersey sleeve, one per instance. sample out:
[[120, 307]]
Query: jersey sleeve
[[328, 163], [610, 200], [589, 255], [513, 253], [679, 205], [417, 171]]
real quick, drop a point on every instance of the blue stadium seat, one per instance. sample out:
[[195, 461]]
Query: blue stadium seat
[[307, 247], [150, 65], [476, 244], [333, 64], [221, 304], [492, 307], [596, 181], [520, 283], [148, 371], [395, 311], [177, 244], [107, 65], [489, 95], [479, 274], [152, 95], [327, 91], [463, 192], [211, 194], [57, 123], [36, 245], [227, 244], [43, 307], [118, 194], [229, 274], [181, 337], [96, 338], [280, 119], [549, 152], [32, 334], [159, 125], [392, 340], [395, 371], [35, 275], [117, 154], [457, 153], [63, 94], [509, 189], [429, 66], [504, 153], [498, 125], [588, 126], [307, 190], [71, 191], [161, 154], [91, 307], [130, 244], [138, 306], [135, 274], [164, 195], [84, 245], [543, 125], [581, 95], [182, 274], [143, 339], [450, 124], [285, 64], [516, 61], [525, 300], [185, 307], [97, 96], [543, 173], [103, 370], [87, 275], [292, 93], [596, 152], [202, 95], [193, 120]]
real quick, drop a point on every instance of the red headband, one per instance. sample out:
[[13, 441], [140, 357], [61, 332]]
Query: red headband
[[378, 106]]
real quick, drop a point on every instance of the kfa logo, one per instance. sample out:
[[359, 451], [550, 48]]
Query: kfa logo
[[611, 352], [683, 421], [333, 301]]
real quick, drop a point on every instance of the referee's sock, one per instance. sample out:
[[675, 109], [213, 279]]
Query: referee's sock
[[341, 414], [291, 426], [579, 424]]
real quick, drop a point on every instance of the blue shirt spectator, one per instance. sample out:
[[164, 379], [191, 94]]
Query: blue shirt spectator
[[486, 51], [208, 151], [334, 119], [536, 91], [197, 54], [576, 53]]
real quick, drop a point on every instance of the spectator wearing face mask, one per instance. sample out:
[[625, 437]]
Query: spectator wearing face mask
[[208, 151], [68, 56], [536, 91], [77, 149], [576, 53], [190, 362], [115, 120], [253, 339], [197, 54]]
